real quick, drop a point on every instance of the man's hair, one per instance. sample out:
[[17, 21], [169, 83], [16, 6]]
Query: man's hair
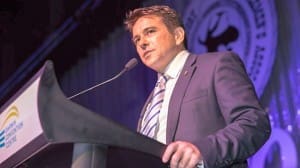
[[168, 15]]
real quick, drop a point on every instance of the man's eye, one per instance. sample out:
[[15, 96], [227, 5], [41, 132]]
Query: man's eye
[[135, 41], [150, 31]]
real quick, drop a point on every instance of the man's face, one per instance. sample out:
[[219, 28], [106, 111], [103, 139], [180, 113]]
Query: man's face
[[155, 45]]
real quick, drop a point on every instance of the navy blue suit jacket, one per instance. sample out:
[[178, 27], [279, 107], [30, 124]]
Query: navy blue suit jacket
[[215, 107]]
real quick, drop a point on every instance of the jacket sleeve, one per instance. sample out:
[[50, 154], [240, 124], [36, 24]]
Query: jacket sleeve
[[247, 124]]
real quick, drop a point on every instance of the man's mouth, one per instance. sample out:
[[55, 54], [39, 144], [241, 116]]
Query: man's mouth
[[147, 53]]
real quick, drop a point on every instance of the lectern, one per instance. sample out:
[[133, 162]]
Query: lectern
[[39, 125]]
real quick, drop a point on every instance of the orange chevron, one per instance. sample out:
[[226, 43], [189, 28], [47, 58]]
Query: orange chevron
[[13, 111]]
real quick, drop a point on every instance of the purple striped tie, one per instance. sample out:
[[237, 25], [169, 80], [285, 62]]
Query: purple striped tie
[[150, 119]]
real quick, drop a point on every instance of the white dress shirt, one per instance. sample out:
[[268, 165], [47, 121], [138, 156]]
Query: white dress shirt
[[172, 72]]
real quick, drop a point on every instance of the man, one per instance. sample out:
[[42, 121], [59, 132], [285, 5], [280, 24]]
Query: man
[[207, 111]]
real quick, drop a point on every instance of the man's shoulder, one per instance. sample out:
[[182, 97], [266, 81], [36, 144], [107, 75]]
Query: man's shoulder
[[216, 54], [211, 59]]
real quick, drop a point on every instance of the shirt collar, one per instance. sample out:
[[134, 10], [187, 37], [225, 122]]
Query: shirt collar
[[175, 66]]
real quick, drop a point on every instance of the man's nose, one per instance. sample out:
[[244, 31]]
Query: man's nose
[[143, 43]]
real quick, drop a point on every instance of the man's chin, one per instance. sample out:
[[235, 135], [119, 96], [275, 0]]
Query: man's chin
[[151, 66]]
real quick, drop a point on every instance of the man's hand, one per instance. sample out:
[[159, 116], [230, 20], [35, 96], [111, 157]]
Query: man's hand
[[182, 155]]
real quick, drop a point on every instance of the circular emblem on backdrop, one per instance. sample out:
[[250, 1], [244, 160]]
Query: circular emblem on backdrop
[[247, 27]]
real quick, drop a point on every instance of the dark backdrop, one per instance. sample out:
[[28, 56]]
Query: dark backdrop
[[88, 44]]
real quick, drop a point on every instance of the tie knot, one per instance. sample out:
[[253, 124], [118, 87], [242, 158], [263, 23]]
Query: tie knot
[[162, 79]]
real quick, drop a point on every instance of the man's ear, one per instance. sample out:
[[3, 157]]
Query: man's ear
[[179, 35]]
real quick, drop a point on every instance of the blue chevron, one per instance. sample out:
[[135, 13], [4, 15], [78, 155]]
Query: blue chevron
[[2, 138], [2, 145], [1, 133]]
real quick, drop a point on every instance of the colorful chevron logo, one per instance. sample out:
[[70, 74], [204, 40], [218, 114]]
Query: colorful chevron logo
[[8, 123]]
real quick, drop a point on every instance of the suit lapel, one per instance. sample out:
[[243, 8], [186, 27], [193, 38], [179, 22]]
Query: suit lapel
[[177, 96]]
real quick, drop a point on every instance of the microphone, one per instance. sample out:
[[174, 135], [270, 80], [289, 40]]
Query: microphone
[[128, 66]]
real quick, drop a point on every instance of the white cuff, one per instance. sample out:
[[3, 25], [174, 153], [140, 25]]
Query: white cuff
[[200, 164]]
